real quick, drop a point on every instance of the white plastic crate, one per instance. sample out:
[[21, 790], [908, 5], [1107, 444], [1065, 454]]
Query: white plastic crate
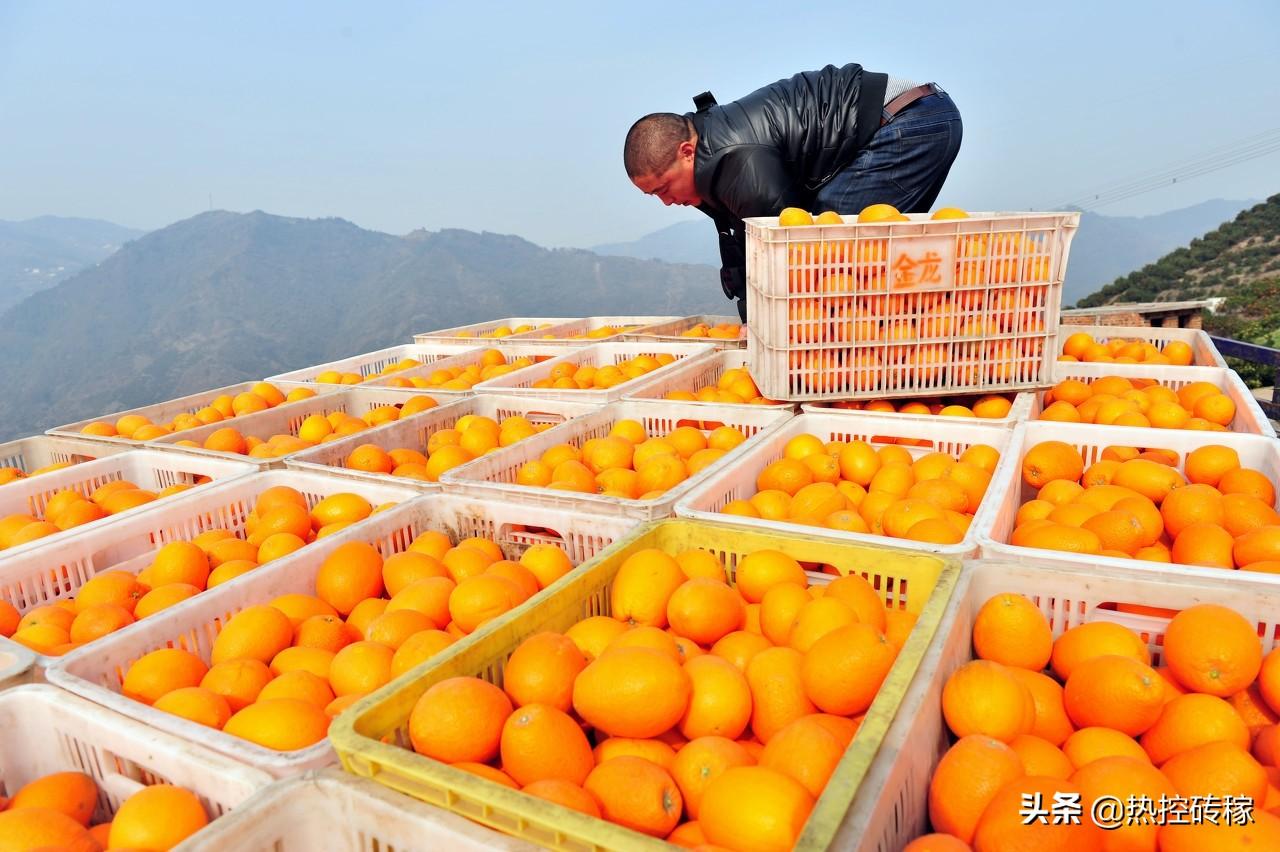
[[37, 451], [163, 412], [575, 330], [97, 673], [738, 480], [481, 333], [1249, 418], [16, 663], [44, 730], [599, 355], [691, 374], [36, 576], [494, 475], [1010, 492], [286, 420], [414, 432], [1018, 413], [670, 332], [1204, 353], [374, 362], [910, 308], [511, 351], [892, 808], [334, 811], [147, 469]]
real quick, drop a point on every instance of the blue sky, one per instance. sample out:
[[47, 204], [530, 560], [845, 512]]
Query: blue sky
[[510, 118]]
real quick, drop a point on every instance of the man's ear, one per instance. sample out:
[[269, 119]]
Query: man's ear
[[686, 150]]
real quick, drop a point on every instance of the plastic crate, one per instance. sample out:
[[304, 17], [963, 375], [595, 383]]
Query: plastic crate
[[1204, 353], [517, 349], [1249, 418], [372, 737], [494, 474], [481, 333], [16, 663], [163, 412], [692, 374], [414, 432], [97, 673], [1020, 412], [738, 480], [337, 812], [669, 332], [38, 576], [598, 355], [44, 730], [1009, 492], [911, 308], [286, 420], [374, 362], [892, 807], [37, 451], [576, 330], [147, 469]]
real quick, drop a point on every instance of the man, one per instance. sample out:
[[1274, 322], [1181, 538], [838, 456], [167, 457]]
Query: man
[[836, 139]]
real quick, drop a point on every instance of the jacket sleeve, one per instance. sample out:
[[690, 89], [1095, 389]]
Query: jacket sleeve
[[753, 180]]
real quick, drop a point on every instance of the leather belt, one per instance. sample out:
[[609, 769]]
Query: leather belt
[[906, 99]]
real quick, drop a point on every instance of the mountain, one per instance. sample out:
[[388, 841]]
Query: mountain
[[36, 254], [225, 297], [1104, 248]]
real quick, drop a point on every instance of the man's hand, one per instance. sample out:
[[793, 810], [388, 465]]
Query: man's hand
[[742, 332]]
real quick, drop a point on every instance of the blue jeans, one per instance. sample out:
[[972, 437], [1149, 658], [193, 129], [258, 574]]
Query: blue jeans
[[904, 164]]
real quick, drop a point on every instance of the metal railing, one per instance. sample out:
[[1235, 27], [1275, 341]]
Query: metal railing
[[1255, 354]]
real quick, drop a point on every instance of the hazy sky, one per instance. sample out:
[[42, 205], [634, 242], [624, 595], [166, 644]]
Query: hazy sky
[[510, 118]]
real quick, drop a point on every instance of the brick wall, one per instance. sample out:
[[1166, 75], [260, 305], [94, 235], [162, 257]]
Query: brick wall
[[1131, 319]]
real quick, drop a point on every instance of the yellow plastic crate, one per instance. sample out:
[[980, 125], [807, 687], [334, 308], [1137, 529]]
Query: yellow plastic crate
[[372, 737]]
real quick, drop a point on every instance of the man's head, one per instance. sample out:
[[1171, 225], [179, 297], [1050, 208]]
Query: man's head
[[659, 155]]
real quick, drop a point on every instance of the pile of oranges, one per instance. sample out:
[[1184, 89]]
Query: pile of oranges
[[696, 712], [600, 333], [491, 364], [1117, 401], [138, 427], [988, 407], [13, 474], [719, 331], [472, 436], [628, 463], [68, 509], [504, 330], [56, 812], [1103, 722], [279, 524], [853, 487], [278, 672], [1120, 350], [570, 376], [1129, 504], [338, 377], [314, 430], [735, 387]]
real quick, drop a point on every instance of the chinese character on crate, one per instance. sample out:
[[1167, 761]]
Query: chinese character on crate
[[1059, 740]]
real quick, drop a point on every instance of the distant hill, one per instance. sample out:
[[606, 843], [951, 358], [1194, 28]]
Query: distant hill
[[1104, 248], [225, 297], [36, 254]]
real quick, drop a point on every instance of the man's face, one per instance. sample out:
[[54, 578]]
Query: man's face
[[675, 185]]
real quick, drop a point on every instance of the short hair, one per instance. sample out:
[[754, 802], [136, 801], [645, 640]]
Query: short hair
[[651, 143]]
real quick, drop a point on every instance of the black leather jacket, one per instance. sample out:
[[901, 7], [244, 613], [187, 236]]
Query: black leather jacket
[[776, 148]]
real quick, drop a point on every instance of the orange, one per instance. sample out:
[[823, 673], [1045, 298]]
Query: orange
[[417, 649], [704, 610], [1243, 513], [159, 816], [360, 668], [459, 719], [325, 632], [636, 794], [1257, 545], [1120, 778], [1207, 465], [981, 697], [282, 724], [966, 780], [1051, 721], [564, 793], [255, 633], [539, 742], [739, 647], [196, 704], [1261, 832], [431, 597], [654, 751], [547, 562], [71, 793], [751, 807], [1009, 629], [1246, 481], [1203, 544], [239, 682], [778, 694], [481, 598], [632, 692], [97, 621], [43, 828], [314, 660], [351, 573], [702, 761], [1041, 757], [788, 475], [720, 699], [842, 671], [1095, 639], [394, 627], [542, 671], [761, 570], [340, 508], [1216, 769], [937, 843], [1151, 479], [804, 751], [161, 671], [1192, 720], [1212, 649], [701, 563], [1087, 745], [1003, 826], [1193, 504], [1051, 460], [162, 598], [111, 587], [1116, 692], [592, 635], [643, 587], [861, 597]]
